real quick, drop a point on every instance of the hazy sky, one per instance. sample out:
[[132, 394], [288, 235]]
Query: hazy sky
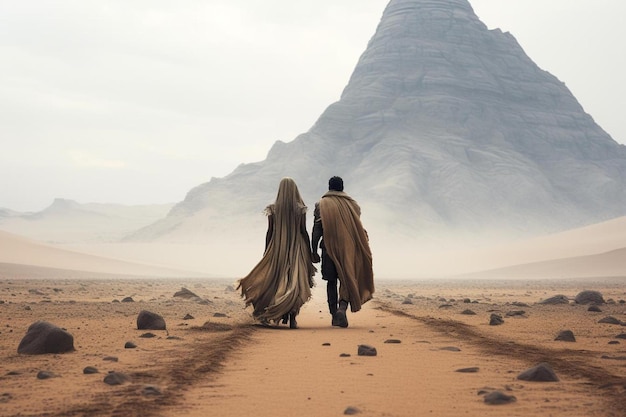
[[136, 102]]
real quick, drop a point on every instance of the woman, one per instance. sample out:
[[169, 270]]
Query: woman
[[281, 282]]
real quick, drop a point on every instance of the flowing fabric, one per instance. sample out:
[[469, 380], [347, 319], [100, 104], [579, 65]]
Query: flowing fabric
[[347, 244], [281, 282]]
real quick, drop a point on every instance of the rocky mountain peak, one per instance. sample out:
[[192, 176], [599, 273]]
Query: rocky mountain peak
[[444, 128]]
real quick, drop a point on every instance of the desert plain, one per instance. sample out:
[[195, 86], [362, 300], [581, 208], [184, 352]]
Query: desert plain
[[436, 351]]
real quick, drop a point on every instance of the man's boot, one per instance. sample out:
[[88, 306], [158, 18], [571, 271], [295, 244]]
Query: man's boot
[[340, 316], [293, 324]]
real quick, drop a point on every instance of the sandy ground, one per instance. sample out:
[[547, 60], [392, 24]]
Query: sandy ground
[[220, 363]]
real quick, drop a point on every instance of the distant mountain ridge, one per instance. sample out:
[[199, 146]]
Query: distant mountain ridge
[[67, 221], [445, 128]]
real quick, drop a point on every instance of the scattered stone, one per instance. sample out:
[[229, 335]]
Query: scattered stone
[[515, 313], [519, 304], [393, 341], [621, 336], [565, 336], [351, 411], [43, 337], [468, 312], [128, 300], [129, 345], [90, 370], [470, 370], [445, 306], [451, 348], [467, 300], [325, 344], [594, 308], [495, 319], [150, 390], [407, 301], [540, 373], [499, 398], [609, 320], [188, 317], [147, 335], [344, 355], [110, 358], [589, 297], [115, 378], [185, 293], [147, 320], [366, 350], [613, 342], [219, 315], [214, 327], [557, 299], [46, 375], [615, 358]]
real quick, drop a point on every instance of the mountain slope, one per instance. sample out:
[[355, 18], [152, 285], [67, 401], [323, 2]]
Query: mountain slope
[[446, 131]]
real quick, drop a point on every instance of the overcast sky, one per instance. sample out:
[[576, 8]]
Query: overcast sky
[[136, 102]]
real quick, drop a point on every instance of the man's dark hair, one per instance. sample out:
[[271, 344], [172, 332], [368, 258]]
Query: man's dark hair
[[335, 184]]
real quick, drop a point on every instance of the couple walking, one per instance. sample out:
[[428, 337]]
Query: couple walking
[[282, 280]]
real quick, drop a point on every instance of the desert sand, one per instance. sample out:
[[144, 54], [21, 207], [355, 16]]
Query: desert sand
[[214, 360]]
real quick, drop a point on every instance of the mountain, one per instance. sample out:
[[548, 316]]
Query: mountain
[[67, 221], [446, 132]]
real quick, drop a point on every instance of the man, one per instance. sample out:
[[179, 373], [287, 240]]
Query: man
[[346, 255]]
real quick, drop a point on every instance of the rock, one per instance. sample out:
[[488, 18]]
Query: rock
[[565, 336], [219, 315], [407, 301], [540, 373], [609, 320], [185, 294], [110, 358], [147, 335], [468, 312], [450, 348], [43, 337], [128, 300], [470, 370], [5, 397], [215, 327], [621, 336], [115, 378], [147, 320], [589, 297], [46, 375], [188, 317], [366, 350], [129, 345], [594, 308], [351, 411], [495, 319], [515, 313], [90, 370], [498, 398], [396, 341], [344, 355], [556, 299], [150, 391], [326, 344]]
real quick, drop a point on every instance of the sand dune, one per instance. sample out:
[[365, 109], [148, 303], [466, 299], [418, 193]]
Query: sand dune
[[17, 250]]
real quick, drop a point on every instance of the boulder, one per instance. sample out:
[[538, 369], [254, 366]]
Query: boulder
[[43, 337], [147, 320]]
